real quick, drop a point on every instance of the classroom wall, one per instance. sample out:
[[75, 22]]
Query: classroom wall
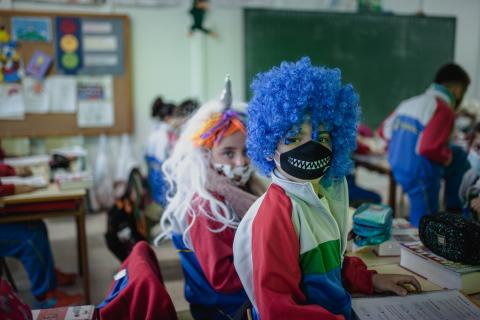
[[166, 62]]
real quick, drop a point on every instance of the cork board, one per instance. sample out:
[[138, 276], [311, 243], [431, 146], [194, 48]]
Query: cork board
[[65, 124]]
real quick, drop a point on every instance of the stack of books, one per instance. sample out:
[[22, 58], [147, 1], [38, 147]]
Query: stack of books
[[34, 181], [402, 231], [38, 164], [445, 273], [77, 180]]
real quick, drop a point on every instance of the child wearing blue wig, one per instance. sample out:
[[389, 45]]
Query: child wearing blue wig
[[289, 248]]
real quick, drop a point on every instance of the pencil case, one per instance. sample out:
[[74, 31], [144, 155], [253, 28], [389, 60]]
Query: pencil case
[[451, 236]]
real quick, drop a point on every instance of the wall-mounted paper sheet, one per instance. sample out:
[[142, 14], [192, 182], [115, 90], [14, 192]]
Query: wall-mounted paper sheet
[[95, 96], [100, 43], [12, 106], [35, 96], [95, 114], [62, 93], [96, 27], [100, 60]]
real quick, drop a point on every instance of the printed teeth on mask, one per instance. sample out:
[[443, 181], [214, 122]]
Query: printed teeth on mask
[[309, 165]]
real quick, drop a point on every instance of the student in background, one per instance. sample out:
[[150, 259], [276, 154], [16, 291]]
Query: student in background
[[289, 248], [169, 118], [419, 152], [470, 187], [356, 194], [185, 109], [28, 242], [160, 143], [214, 188]]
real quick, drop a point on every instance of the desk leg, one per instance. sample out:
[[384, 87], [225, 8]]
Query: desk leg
[[392, 194], [79, 242], [83, 255]]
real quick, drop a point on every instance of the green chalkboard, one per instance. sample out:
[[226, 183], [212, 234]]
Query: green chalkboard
[[387, 58]]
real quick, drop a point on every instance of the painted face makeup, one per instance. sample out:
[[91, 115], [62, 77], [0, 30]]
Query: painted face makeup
[[239, 175]]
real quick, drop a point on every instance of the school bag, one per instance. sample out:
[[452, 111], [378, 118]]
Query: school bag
[[451, 236], [126, 221]]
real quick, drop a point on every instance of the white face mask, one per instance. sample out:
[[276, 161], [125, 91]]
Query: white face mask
[[238, 175], [463, 123], [474, 160]]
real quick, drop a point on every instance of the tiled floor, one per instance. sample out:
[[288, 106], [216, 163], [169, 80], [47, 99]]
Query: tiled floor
[[103, 265]]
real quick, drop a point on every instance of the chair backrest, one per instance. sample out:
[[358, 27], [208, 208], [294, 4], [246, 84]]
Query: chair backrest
[[8, 274], [138, 291], [11, 306]]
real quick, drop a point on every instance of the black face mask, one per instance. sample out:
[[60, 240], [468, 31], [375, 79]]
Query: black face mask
[[308, 161]]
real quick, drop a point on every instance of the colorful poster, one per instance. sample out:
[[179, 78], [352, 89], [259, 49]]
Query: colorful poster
[[69, 51], [31, 29], [95, 88], [39, 64], [10, 63]]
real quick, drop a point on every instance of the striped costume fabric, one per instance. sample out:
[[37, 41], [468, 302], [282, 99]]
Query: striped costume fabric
[[288, 252]]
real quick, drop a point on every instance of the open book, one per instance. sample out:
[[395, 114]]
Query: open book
[[437, 305], [65, 313]]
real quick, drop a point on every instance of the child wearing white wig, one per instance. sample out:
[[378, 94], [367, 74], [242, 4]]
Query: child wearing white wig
[[214, 187]]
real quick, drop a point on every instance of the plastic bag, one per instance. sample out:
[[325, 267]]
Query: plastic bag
[[126, 160], [102, 177]]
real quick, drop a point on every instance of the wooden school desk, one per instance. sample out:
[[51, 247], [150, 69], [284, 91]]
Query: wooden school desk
[[51, 203], [380, 165], [390, 265]]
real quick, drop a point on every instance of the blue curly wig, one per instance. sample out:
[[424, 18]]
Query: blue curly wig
[[283, 96]]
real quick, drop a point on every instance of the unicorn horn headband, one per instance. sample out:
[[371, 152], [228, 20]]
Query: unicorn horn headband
[[226, 97], [221, 124]]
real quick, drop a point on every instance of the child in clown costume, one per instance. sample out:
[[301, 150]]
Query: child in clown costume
[[214, 187], [289, 248]]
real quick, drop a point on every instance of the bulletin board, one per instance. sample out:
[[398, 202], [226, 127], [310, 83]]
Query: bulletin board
[[65, 124]]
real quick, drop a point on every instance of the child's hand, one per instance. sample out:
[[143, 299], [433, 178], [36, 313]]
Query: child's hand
[[395, 283]]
